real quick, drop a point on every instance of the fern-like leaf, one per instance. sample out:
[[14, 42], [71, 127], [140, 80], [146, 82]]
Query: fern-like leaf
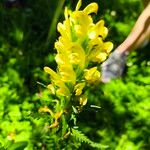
[[79, 136]]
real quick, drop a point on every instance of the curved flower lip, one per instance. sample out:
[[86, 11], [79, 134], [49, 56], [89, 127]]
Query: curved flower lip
[[51, 72], [91, 8]]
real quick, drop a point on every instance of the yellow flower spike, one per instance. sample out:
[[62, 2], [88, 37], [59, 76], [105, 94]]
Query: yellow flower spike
[[51, 88], [91, 8], [78, 5], [78, 88], [107, 47], [83, 100], [92, 75]]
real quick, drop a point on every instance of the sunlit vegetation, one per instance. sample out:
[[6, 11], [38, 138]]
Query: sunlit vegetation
[[34, 116]]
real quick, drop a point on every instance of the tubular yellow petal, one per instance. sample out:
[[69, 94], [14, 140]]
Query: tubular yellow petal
[[78, 5], [58, 115], [91, 8], [78, 88], [74, 58], [107, 47], [64, 29], [63, 91], [46, 109], [83, 100], [96, 42], [81, 18], [103, 32], [51, 88], [51, 72], [67, 73], [66, 13], [61, 59], [101, 57], [100, 23], [79, 52], [54, 125], [92, 35]]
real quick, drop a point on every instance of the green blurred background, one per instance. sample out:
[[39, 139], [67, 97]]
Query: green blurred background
[[27, 36]]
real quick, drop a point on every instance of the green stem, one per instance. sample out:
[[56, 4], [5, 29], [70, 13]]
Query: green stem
[[52, 28]]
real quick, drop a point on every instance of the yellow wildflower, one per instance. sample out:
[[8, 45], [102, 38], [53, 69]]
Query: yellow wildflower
[[107, 47], [51, 88], [83, 100], [55, 116], [92, 75], [78, 88], [56, 79]]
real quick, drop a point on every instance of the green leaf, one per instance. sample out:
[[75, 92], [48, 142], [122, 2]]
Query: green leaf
[[19, 146]]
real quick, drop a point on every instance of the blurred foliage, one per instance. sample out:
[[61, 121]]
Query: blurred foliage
[[27, 34]]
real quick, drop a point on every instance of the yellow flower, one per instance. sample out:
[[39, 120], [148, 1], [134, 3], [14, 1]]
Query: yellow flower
[[81, 42], [92, 75], [91, 8], [107, 47], [83, 100], [64, 29], [101, 57], [46, 109], [77, 55], [52, 73], [67, 73], [63, 91], [78, 88], [81, 23], [51, 88], [81, 20], [57, 81], [98, 29], [55, 116]]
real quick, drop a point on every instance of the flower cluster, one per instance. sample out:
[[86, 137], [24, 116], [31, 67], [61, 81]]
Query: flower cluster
[[81, 42]]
